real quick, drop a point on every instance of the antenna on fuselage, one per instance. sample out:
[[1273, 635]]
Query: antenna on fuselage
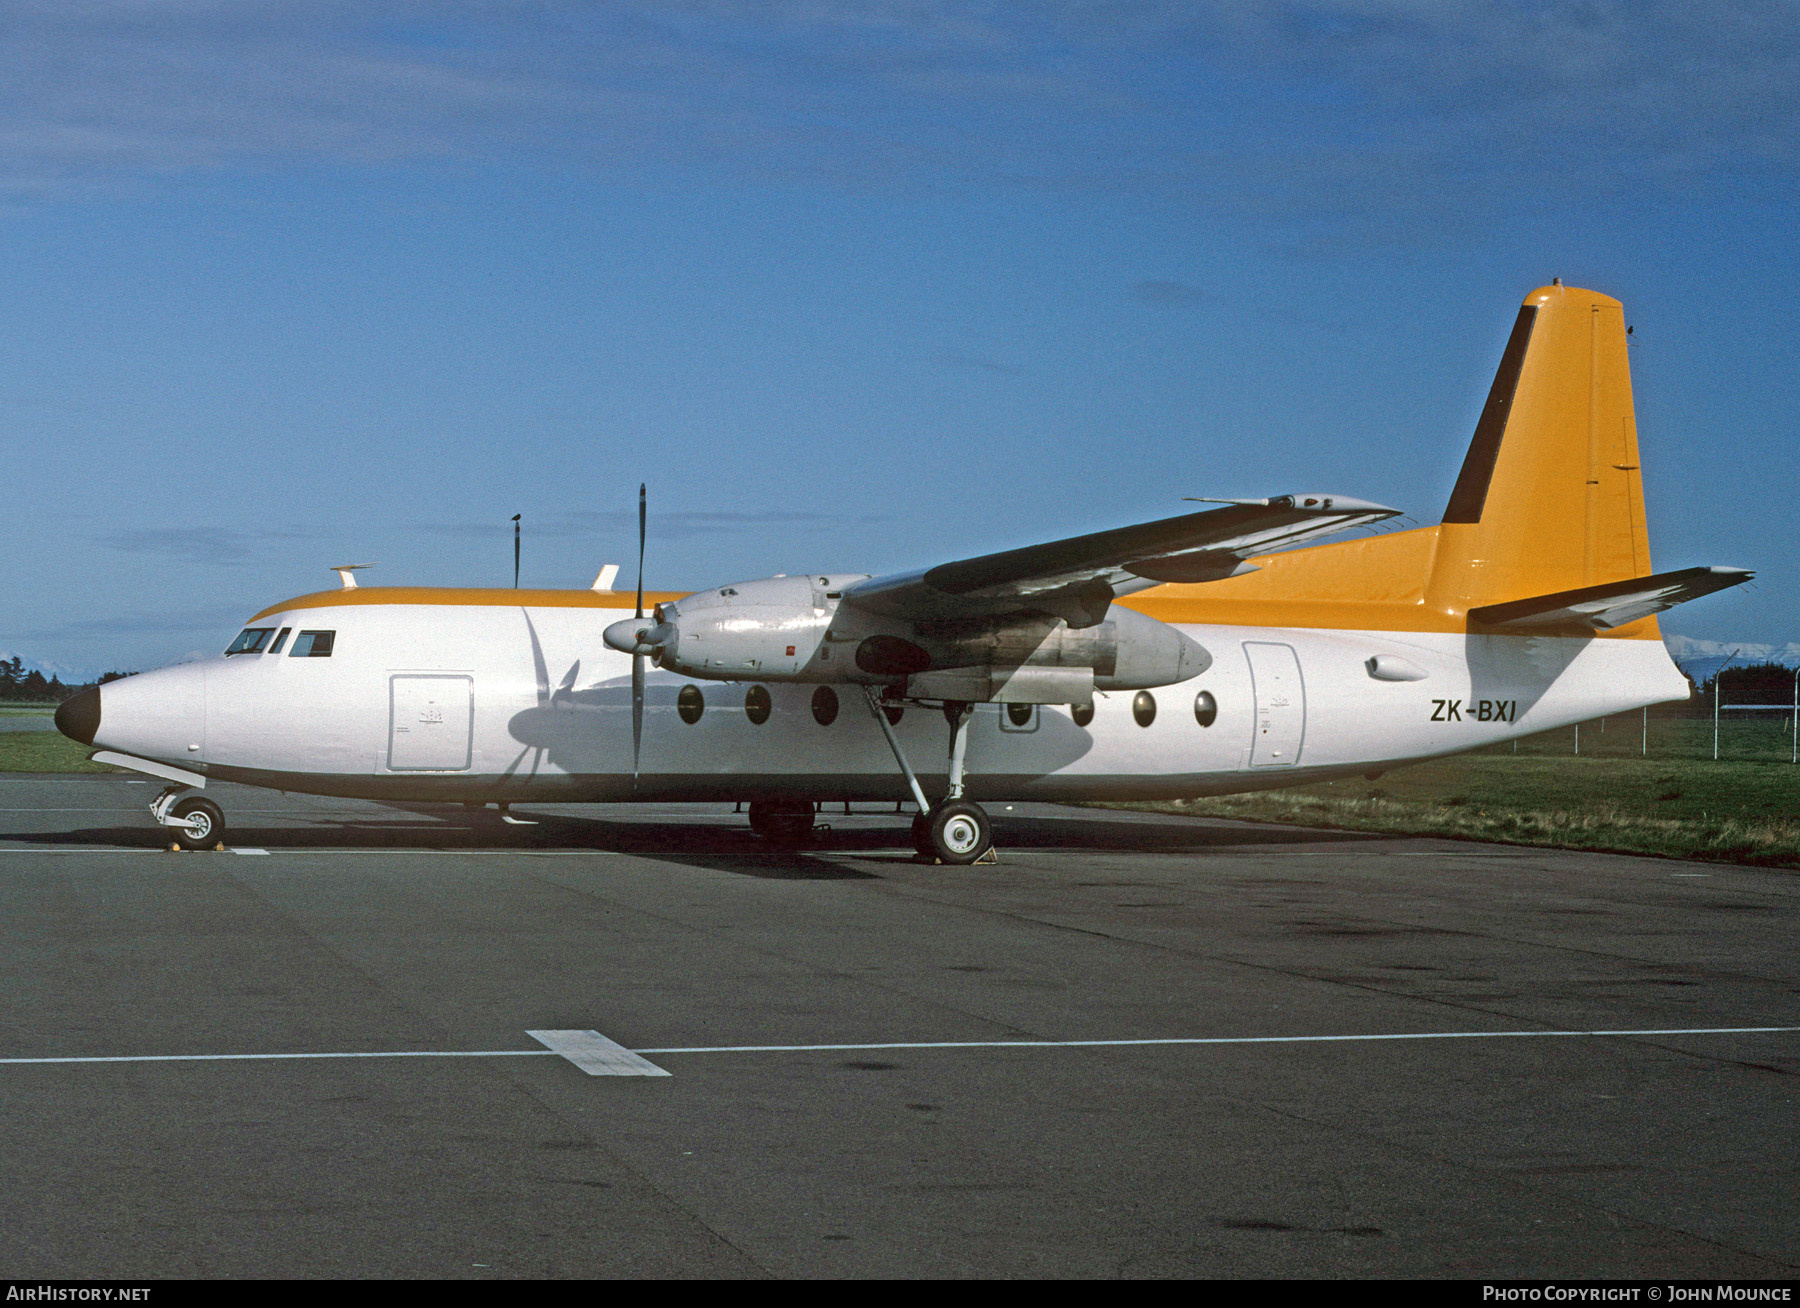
[[516, 551], [347, 572]]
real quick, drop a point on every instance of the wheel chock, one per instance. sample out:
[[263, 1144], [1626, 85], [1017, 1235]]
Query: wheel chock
[[988, 858]]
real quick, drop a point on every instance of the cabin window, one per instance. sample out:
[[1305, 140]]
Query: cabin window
[[250, 641], [757, 704], [690, 703], [1082, 713], [280, 641], [825, 706], [313, 645], [1143, 708], [1206, 708]]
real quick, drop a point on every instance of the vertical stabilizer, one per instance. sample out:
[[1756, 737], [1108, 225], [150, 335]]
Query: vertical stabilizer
[[1550, 497]]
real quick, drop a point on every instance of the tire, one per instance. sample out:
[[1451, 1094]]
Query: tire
[[782, 821], [960, 832], [203, 824]]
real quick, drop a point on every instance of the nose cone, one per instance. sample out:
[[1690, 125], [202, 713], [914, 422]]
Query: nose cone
[[78, 716]]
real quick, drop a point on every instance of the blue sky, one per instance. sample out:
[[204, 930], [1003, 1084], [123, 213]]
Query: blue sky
[[854, 286]]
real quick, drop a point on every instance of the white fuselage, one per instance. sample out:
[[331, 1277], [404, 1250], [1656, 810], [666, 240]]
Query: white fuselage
[[490, 703]]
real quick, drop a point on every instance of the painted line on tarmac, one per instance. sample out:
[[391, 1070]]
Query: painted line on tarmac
[[325, 852], [596, 1055], [1209, 1040]]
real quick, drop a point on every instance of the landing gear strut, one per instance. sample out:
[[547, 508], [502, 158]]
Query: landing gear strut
[[957, 830]]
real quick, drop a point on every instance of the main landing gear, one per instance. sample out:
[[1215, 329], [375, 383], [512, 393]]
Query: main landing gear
[[783, 821], [956, 830], [193, 822]]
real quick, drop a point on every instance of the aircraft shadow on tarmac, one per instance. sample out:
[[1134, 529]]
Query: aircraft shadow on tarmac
[[728, 848]]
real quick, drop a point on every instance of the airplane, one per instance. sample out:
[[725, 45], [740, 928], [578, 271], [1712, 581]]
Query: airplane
[[1219, 651]]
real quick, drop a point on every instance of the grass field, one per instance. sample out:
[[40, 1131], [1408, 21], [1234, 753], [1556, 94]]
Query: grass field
[[45, 751], [1676, 802]]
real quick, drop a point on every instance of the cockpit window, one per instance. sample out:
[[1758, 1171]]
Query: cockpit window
[[280, 641], [250, 640], [313, 645]]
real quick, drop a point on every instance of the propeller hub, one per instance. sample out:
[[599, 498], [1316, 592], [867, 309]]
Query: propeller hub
[[638, 636]]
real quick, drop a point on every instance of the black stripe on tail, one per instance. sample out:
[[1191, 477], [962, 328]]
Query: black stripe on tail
[[1478, 466]]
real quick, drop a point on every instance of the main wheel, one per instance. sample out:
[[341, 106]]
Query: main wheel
[[959, 831], [784, 821], [202, 824]]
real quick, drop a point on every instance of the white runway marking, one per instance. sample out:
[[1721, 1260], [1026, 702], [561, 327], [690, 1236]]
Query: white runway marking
[[589, 1049], [239, 849], [1209, 1040], [594, 1054]]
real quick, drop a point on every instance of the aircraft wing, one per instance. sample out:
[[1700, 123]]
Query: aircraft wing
[[1076, 579], [1612, 604]]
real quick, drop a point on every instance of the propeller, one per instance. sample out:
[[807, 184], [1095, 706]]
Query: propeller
[[637, 659]]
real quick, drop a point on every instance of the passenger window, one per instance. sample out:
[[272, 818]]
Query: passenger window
[[313, 645], [280, 641], [250, 641]]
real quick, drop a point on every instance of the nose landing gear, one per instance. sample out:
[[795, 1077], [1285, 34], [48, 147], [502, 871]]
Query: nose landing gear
[[193, 822]]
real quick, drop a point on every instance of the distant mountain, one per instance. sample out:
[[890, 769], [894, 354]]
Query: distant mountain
[[1685, 650], [68, 673]]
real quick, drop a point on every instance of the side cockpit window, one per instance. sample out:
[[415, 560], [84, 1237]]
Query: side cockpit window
[[280, 641], [250, 641], [313, 645]]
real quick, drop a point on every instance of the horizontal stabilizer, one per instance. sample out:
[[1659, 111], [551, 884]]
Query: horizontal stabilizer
[[1612, 604]]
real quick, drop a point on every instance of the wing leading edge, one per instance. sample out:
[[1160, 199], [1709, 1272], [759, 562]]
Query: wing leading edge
[[1078, 578]]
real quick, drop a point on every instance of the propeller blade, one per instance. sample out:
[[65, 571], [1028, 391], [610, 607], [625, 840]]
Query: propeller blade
[[637, 660]]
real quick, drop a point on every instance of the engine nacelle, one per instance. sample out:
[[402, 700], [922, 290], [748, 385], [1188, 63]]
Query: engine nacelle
[[796, 629], [768, 630]]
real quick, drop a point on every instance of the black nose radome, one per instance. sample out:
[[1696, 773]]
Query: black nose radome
[[78, 716]]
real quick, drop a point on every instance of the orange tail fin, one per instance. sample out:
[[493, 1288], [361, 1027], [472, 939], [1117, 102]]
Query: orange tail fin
[[1550, 497]]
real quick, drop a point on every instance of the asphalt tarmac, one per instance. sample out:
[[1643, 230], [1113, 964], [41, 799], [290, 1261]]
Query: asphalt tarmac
[[367, 928]]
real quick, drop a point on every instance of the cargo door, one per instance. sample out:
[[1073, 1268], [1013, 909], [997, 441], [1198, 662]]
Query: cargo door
[[430, 723], [1280, 704]]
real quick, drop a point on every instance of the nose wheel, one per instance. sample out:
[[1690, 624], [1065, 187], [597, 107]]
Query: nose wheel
[[196, 823]]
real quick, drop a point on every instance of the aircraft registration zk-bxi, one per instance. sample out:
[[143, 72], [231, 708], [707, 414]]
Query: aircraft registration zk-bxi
[[1146, 662]]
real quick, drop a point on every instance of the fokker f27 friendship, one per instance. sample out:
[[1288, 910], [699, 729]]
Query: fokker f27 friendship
[[1149, 661]]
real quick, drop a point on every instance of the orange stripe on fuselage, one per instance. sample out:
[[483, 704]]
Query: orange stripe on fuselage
[[485, 598], [1377, 583]]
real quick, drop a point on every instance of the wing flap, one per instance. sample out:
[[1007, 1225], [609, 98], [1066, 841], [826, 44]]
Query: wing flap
[[1612, 604]]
